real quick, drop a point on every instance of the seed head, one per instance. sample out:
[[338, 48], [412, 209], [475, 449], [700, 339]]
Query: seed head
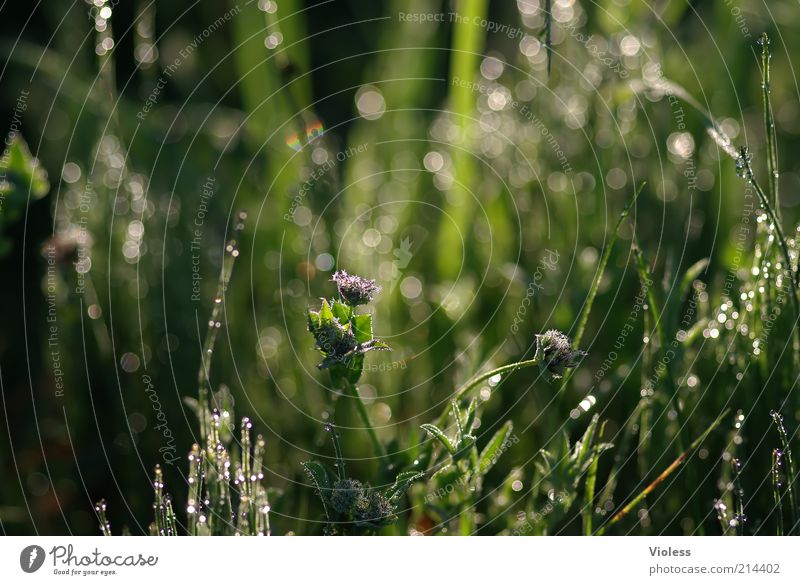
[[353, 289], [555, 354]]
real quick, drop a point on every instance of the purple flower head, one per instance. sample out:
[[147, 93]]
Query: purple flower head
[[353, 289]]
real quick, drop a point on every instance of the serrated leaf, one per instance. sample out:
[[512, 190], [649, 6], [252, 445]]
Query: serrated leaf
[[363, 328], [439, 434], [325, 313], [402, 483], [341, 311], [494, 449]]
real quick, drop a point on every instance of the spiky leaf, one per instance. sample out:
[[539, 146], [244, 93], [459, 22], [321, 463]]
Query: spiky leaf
[[325, 313], [341, 311], [363, 328]]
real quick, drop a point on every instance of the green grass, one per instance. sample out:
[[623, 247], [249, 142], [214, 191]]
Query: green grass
[[543, 192]]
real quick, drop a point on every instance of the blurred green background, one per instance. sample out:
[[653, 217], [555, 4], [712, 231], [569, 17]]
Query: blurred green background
[[438, 157]]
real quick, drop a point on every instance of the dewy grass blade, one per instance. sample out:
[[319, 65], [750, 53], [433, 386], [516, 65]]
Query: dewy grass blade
[[769, 125], [791, 475], [777, 470], [664, 474]]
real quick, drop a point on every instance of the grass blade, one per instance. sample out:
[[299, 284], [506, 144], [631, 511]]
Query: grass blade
[[441, 436], [791, 475], [664, 474], [769, 124], [587, 307], [777, 463], [588, 498]]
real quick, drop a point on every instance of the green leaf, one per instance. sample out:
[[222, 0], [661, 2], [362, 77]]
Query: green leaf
[[402, 483], [313, 320], [584, 446], [494, 449], [439, 434], [325, 313], [444, 471], [194, 405], [676, 301], [464, 447], [320, 477], [457, 416], [363, 327], [341, 311], [22, 179], [24, 175], [346, 369], [469, 418]]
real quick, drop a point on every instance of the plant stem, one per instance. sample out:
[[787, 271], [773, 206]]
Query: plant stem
[[362, 412]]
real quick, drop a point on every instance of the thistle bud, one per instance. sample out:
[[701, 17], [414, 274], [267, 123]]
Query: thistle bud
[[346, 495], [555, 354]]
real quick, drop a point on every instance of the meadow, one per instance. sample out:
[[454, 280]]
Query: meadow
[[418, 267]]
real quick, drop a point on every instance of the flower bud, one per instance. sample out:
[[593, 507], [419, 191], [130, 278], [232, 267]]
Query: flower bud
[[555, 354]]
